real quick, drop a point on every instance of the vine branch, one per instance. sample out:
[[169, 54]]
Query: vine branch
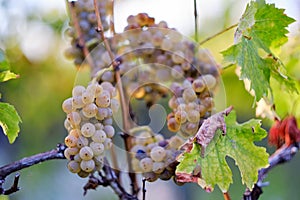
[[282, 155], [8, 169], [109, 178]]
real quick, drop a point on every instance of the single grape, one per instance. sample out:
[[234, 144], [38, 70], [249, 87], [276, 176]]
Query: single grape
[[75, 132], [109, 130], [189, 95], [74, 118], [193, 116], [99, 136], [180, 116], [99, 126], [77, 102], [83, 174], [87, 165], [150, 176], [108, 121], [67, 106], [103, 100], [88, 130], [74, 166], [158, 167], [88, 97], [146, 164], [78, 90], [82, 141], [158, 154], [173, 125], [71, 141], [90, 110], [71, 152], [86, 153], [98, 148], [209, 80]]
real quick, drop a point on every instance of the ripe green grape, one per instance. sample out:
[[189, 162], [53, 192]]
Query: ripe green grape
[[88, 129], [71, 141], [90, 110], [74, 118], [74, 166], [67, 106], [146, 164], [109, 130], [97, 148], [158, 154], [87, 165], [86, 153]]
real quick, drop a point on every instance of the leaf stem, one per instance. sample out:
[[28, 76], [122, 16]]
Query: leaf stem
[[217, 34]]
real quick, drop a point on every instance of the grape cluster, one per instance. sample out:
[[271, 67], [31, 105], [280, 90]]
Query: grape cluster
[[89, 124], [155, 156], [87, 20], [192, 102]]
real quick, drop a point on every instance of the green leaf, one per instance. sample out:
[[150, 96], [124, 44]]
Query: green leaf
[[5, 73], [9, 121], [261, 29], [237, 143], [4, 64]]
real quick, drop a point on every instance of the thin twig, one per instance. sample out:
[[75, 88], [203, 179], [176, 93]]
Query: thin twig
[[282, 155], [196, 20], [81, 41], [217, 34], [226, 196], [144, 189], [8, 169], [124, 106]]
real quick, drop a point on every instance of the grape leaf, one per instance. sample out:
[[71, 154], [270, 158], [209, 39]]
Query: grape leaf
[[9, 121], [237, 143], [261, 29], [5, 73]]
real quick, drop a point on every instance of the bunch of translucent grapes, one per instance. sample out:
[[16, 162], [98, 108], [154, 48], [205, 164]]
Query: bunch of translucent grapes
[[89, 124], [87, 20], [192, 102], [154, 156], [151, 52]]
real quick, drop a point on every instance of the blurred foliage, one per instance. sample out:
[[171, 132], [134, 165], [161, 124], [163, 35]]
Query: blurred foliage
[[44, 83]]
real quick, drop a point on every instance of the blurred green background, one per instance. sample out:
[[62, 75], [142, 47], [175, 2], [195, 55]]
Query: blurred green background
[[32, 34]]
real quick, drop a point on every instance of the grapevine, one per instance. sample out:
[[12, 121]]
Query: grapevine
[[151, 63]]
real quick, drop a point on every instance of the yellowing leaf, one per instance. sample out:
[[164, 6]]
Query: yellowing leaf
[[9, 121], [237, 143]]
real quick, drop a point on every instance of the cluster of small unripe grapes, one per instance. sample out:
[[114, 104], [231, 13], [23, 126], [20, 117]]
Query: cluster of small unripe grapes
[[155, 156], [89, 124], [87, 21], [192, 102]]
